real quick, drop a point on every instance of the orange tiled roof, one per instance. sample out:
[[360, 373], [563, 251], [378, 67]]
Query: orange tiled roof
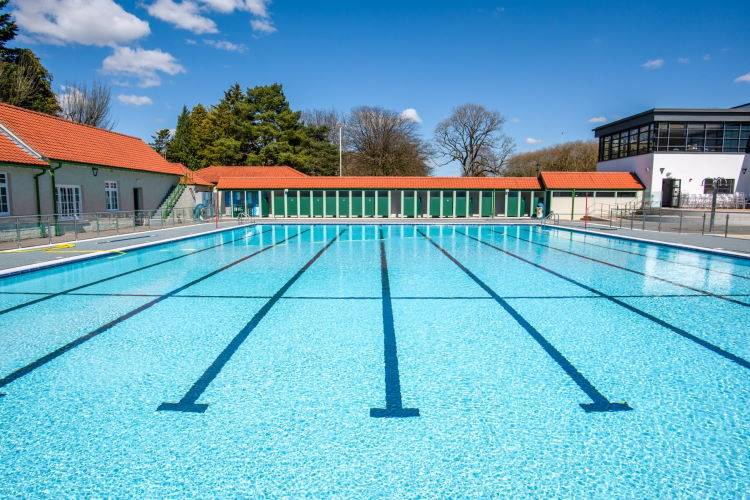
[[215, 172], [192, 177], [60, 139], [590, 180], [10, 152], [373, 182]]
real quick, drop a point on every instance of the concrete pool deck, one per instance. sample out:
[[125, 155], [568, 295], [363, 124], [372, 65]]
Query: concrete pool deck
[[739, 246], [20, 260]]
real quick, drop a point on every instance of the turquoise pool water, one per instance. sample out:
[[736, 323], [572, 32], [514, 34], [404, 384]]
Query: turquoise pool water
[[379, 361]]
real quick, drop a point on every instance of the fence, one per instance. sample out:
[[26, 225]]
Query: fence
[[726, 224], [32, 230]]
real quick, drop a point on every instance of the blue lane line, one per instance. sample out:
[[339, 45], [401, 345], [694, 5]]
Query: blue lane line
[[599, 402], [393, 403], [623, 268], [137, 269], [679, 331], [25, 370], [188, 402], [584, 242]]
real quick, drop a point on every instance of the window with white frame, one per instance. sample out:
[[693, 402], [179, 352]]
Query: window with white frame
[[4, 195], [69, 201], [112, 197]]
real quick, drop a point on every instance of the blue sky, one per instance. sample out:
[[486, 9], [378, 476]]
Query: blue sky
[[548, 67]]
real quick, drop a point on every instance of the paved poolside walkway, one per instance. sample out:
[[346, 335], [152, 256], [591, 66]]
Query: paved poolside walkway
[[709, 242], [85, 248]]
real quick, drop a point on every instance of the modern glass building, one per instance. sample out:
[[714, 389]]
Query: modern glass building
[[678, 152]]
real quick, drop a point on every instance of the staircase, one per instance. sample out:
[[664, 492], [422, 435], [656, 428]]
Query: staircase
[[170, 200]]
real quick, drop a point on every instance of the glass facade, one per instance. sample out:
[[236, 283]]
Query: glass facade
[[721, 137]]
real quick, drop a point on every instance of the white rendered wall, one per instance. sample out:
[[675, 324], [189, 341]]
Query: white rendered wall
[[691, 168]]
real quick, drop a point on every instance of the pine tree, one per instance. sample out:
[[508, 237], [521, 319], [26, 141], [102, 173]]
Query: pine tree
[[160, 141]]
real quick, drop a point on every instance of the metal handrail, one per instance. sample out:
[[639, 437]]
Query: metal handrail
[[553, 216]]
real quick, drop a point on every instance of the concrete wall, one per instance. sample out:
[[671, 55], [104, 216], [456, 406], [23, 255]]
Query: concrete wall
[[154, 186], [691, 168], [21, 183], [569, 208]]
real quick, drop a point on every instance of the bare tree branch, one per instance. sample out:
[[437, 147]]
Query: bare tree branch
[[381, 142], [472, 136], [90, 105]]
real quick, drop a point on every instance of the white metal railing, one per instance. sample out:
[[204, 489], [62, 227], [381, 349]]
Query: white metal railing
[[32, 230]]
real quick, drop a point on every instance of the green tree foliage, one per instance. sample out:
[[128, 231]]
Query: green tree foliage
[[160, 141], [252, 127], [8, 28], [24, 81], [575, 156]]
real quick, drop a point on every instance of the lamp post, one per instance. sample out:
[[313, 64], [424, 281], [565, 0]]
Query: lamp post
[[341, 142]]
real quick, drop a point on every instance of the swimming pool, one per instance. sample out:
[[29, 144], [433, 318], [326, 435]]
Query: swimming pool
[[379, 361]]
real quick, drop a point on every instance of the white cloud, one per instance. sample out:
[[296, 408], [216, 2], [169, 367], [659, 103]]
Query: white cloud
[[87, 22], [683, 60], [190, 41], [263, 26], [226, 45], [531, 140], [515, 119], [653, 64], [135, 100], [743, 78], [411, 115], [258, 7], [255, 7], [184, 15], [706, 57], [143, 64], [598, 119]]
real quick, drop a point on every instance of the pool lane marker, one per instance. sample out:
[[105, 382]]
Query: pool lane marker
[[599, 403], [25, 370], [679, 331], [584, 242], [137, 269], [616, 266], [393, 403], [188, 402]]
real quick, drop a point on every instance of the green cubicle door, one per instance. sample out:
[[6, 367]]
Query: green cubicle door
[[356, 203], [278, 203], [330, 203], [421, 201], [291, 203], [523, 200], [461, 203], [343, 203], [408, 208], [447, 203], [265, 203], [383, 209], [487, 207], [369, 203], [317, 204], [513, 197], [434, 204], [304, 203]]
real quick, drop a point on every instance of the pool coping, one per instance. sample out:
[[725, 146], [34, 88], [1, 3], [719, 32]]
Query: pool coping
[[97, 255], [681, 246]]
